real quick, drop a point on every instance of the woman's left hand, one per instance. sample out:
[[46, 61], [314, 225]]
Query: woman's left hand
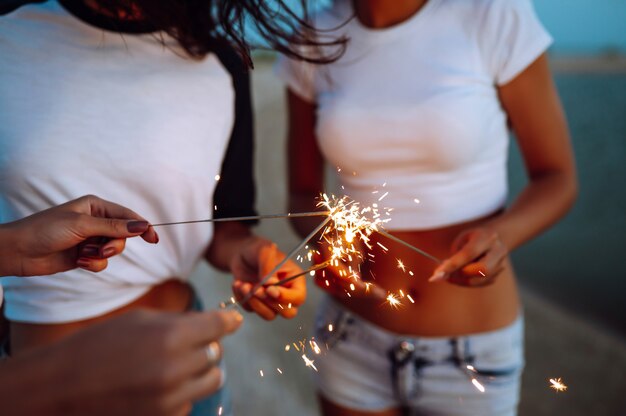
[[255, 259], [477, 260]]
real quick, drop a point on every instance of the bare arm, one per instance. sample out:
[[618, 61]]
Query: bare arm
[[306, 164], [534, 109]]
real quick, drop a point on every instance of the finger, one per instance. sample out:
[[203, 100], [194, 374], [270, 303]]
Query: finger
[[465, 280], [196, 388], [239, 295], [92, 265], [88, 226], [261, 309], [294, 294], [200, 328], [113, 248], [470, 251]]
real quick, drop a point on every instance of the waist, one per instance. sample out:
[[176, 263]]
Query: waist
[[432, 309], [171, 295]]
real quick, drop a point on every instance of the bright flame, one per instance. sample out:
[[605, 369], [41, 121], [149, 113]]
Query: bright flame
[[308, 362], [478, 386], [393, 300], [557, 384]]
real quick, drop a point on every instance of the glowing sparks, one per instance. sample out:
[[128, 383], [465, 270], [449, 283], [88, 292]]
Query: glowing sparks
[[217, 177], [393, 301], [279, 370], [330, 327], [410, 298], [316, 349], [478, 386], [383, 247], [383, 196], [261, 372], [401, 265], [287, 347], [219, 411], [482, 274], [417, 201], [308, 362], [557, 384]]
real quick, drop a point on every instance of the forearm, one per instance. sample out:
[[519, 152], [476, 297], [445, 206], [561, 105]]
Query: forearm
[[9, 257], [545, 200], [33, 384], [227, 239]]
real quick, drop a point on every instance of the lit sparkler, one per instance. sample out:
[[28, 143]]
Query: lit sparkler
[[308, 362], [393, 301], [557, 384]]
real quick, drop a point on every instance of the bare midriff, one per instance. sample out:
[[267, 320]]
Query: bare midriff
[[172, 295], [440, 308]]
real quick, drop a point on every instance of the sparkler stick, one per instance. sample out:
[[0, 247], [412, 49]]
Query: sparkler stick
[[251, 217], [307, 271], [283, 261], [412, 247]]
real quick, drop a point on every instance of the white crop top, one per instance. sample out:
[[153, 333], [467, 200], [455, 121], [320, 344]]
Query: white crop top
[[84, 111], [412, 111]]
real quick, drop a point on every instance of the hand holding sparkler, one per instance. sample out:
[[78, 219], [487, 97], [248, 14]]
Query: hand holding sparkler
[[253, 262], [478, 258]]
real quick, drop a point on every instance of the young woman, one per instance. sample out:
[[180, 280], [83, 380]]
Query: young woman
[[146, 103], [418, 108]]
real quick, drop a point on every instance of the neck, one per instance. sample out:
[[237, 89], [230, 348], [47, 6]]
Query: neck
[[380, 14]]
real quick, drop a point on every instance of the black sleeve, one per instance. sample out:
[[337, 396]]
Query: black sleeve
[[236, 192]]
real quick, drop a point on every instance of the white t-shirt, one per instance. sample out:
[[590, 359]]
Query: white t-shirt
[[89, 111], [415, 107]]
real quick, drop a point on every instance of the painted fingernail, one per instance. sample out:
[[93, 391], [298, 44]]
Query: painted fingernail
[[440, 275], [108, 252], [137, 226], [156, 236], [83, 263], [90, 250]]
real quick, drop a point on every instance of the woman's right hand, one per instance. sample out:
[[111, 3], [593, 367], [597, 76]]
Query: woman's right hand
[[140, 363]]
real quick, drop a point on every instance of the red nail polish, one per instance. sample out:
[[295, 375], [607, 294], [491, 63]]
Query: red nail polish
[[108, 252], [137, 226], [83, 263]]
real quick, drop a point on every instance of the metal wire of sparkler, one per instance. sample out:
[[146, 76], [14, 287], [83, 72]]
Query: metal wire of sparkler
[[282, 262], [251, 217]]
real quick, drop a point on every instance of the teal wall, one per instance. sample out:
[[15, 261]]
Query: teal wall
[[585, 27]]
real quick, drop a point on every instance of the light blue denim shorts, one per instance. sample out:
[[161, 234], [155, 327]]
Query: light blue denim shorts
[[367, 368]]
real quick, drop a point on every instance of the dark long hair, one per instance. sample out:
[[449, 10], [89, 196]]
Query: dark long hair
[[202, 26]]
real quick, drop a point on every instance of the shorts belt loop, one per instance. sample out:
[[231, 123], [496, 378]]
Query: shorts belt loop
[[401, 356]]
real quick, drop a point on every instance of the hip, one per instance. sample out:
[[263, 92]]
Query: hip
[[172, 295]]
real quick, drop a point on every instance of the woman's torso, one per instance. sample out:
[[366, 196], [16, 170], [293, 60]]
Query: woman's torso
[[411, 119], [122, 116]]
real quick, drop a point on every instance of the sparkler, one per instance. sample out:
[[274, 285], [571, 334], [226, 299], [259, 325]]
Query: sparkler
[[246, 218], [557, 384]]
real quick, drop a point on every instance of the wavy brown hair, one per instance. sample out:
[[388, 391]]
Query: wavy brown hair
[[202, 26]]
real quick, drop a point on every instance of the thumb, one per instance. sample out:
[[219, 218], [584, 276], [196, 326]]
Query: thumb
[[91, 226]]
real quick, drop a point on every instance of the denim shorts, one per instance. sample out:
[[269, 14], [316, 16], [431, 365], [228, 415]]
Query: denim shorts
[[367, 368]]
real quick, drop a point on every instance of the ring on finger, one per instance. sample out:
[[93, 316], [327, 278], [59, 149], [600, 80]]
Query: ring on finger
[[214, 353]]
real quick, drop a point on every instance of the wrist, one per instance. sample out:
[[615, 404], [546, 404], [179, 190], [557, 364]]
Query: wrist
[[33, 386], [227, 242], [10, 255]]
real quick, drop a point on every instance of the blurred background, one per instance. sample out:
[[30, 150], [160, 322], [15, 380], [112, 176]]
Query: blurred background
[[573, 279]]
